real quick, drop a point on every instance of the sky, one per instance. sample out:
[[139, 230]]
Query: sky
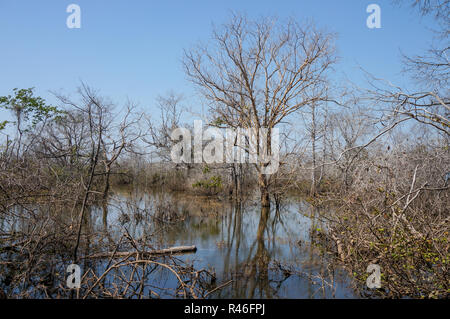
[[133, 49]]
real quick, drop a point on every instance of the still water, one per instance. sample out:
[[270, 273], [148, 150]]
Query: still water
[[248, 247]]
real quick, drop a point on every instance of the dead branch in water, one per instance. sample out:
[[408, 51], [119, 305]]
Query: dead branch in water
[[143, 254]]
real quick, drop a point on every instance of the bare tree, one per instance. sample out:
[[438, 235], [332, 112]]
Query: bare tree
[[348, 129], [106, 139], [257, 73], [316, 119], [160, 129]]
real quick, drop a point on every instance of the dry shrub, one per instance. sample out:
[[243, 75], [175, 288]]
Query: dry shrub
[[396, 215]]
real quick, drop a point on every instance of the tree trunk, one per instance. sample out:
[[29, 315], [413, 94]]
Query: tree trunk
[[265, 200], [107, 185], [313, 173], [263, 187], [313, 140]]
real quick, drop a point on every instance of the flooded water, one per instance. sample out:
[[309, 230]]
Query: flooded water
[[248, 247], [251, 252]]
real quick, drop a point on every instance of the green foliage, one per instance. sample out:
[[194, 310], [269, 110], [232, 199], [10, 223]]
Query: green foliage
[[3, 124], [206, 169], [27, 107], [218, 122], [212, 182]]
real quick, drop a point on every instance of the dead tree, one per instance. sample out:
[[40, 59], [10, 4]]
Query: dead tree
[[255, 74]]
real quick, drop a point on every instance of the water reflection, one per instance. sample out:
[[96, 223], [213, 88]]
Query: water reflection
[[254, 252], [241, 242]]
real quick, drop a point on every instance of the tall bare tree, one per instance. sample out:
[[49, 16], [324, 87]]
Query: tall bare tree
[[255, 74]]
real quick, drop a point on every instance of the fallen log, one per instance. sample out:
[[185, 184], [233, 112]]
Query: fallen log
[[145, 254]]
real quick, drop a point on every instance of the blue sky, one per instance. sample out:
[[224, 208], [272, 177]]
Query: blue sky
[[134, 48]]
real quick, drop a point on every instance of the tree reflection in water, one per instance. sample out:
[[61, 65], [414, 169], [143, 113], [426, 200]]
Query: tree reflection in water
[[255, 250]]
